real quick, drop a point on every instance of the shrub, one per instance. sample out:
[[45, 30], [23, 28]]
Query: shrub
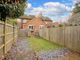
[[60, 25]]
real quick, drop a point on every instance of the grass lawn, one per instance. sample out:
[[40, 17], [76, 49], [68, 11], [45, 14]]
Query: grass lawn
[[39, 44]]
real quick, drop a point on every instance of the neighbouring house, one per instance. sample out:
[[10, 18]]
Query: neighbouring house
[[48, 22], [56, 24], [22, 20], [34, 24]]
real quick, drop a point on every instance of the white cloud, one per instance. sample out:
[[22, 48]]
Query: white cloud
[[53, 4], [77, 0], [38, 9], [49, 9], [29, 5], [57, 6], [52, 7]]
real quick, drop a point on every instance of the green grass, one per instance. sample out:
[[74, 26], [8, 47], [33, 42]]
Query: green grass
[[39, 44]]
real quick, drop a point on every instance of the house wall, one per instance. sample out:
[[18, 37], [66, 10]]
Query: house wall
[[36, 22], [22, 23]]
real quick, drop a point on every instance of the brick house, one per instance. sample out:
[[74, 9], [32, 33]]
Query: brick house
[[56, 24], [34, 24], [23, 20]]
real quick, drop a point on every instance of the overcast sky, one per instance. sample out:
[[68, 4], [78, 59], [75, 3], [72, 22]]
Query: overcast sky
[[55, 9]]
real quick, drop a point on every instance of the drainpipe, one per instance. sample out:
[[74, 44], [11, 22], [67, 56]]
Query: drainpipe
[[22, 24]]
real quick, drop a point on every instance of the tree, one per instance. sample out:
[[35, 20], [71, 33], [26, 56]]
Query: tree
[[11, 8], [75, 17], [77, 8]]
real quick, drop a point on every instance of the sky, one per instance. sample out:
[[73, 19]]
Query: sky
[[57, 10]]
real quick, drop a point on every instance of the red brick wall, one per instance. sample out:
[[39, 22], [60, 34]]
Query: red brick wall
[[36, 22]]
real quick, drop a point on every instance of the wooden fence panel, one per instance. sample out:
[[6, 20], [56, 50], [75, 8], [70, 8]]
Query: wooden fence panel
[[51, 34], [47, 34], [66, 36], [78, 44], [54, 39], [8, 34]]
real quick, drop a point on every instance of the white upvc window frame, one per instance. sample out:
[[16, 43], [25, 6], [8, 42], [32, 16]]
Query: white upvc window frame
[[41, 26], [30, 26]]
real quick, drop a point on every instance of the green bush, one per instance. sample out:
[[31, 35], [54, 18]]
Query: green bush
[[60, 25], [53, 25]]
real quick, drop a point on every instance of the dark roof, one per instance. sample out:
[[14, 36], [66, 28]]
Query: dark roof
[[46, 19], [27, 17], [30, 17]]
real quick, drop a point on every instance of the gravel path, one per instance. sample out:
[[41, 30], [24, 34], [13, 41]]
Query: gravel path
[[22, 51], [58, 54], [52, 54]]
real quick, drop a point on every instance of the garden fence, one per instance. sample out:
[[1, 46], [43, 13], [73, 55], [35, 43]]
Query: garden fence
[[65, 36], [8, 35]]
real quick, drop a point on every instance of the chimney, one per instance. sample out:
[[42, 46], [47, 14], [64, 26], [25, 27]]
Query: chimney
[[38, 15]]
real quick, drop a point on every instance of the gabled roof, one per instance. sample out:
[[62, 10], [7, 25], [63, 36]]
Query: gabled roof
[[31, 17], [46, 19], [36, 20], [27, 17]]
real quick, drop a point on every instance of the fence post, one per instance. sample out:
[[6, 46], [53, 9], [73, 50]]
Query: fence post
[[4, 38], [13, 33], [49, 33]]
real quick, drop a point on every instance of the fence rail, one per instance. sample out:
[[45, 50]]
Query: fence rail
[[8, 35], [66, 36]]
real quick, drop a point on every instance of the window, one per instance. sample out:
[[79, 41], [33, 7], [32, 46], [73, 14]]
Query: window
[[24, 21], [41, 26], [30, 27], [46, 22]]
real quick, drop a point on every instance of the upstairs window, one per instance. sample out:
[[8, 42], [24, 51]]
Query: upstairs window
[[24, 21]]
